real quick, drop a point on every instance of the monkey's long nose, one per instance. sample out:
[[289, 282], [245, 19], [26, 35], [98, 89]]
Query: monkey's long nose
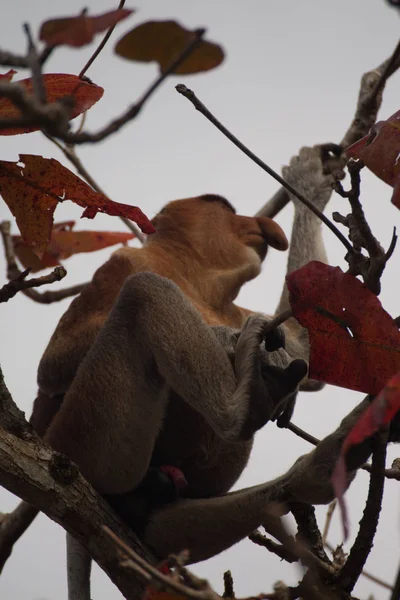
[[273, 233]]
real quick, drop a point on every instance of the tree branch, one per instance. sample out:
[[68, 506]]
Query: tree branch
[[354, 565], [14, 273], [53, 484]]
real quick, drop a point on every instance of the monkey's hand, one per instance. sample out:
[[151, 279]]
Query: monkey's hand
[[271, 377], [312, 173]]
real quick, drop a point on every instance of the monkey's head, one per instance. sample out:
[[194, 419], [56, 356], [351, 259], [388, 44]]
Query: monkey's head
[[209, 226]]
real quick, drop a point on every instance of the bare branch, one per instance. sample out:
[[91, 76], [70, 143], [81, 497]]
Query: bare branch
[[53, 484], [308, 532], [328, 520], [100, 46], [151, 573], [14, 286], [353, 567], [228, 586], [284, 553], [191, 96], [368, 104], [372, 266], [396, 588], [14, 272]]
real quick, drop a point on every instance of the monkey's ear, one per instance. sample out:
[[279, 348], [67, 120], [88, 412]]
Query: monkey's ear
[[273, 233]]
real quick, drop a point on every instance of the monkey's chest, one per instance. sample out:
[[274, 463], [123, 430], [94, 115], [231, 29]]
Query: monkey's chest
[[211, 465]]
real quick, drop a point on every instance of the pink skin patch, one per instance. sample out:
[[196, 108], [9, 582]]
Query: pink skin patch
[[176, 475]]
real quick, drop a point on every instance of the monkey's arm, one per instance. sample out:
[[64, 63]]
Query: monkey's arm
[[306, 174]]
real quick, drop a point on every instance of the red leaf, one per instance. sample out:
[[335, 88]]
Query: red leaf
[[8, 76], [57, 86], [354, 342], [64, 243], [379, 151], [78, 31], [378, 414], [33, 191]]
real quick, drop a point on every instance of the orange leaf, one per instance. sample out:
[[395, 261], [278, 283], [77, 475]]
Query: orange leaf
[[78, 31], [8, 76], [378, 414], [379, 151], [57, 86], [33, 190], [64, 243], [354, 342], [163, 41]]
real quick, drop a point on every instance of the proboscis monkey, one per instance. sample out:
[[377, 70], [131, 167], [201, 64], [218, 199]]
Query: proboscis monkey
[[154, 364]]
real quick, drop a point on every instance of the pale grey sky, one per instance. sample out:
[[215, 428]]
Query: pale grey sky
[[290, 78]]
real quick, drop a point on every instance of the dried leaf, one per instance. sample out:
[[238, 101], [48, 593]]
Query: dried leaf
[[79, 31], [378, 414], [163, 41], [8, 76], [57, 86], [64, 243], [354, 342], [380, 150], [33, 190]]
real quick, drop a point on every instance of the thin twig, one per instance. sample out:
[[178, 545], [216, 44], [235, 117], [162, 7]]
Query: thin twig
[[39, 89], [370, 267], [361, 548], [284, 553], [14, 272], [328, 520], [229, 591], [396, 588], [100, 46], [153, 574], [365, 573], [10, 289], [191, 96], [368, 104], [9, 59], [389, 67], [308, 532]]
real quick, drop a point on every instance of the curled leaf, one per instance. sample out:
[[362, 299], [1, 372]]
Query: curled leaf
[[163, 42], [33, 189], [79, 31], [380, 151], [57, 86], [64, 243]]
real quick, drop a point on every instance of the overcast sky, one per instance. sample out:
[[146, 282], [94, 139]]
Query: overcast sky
[[290, 78]]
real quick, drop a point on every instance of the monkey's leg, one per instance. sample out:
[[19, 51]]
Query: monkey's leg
[[153, 340], [208, 526]]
